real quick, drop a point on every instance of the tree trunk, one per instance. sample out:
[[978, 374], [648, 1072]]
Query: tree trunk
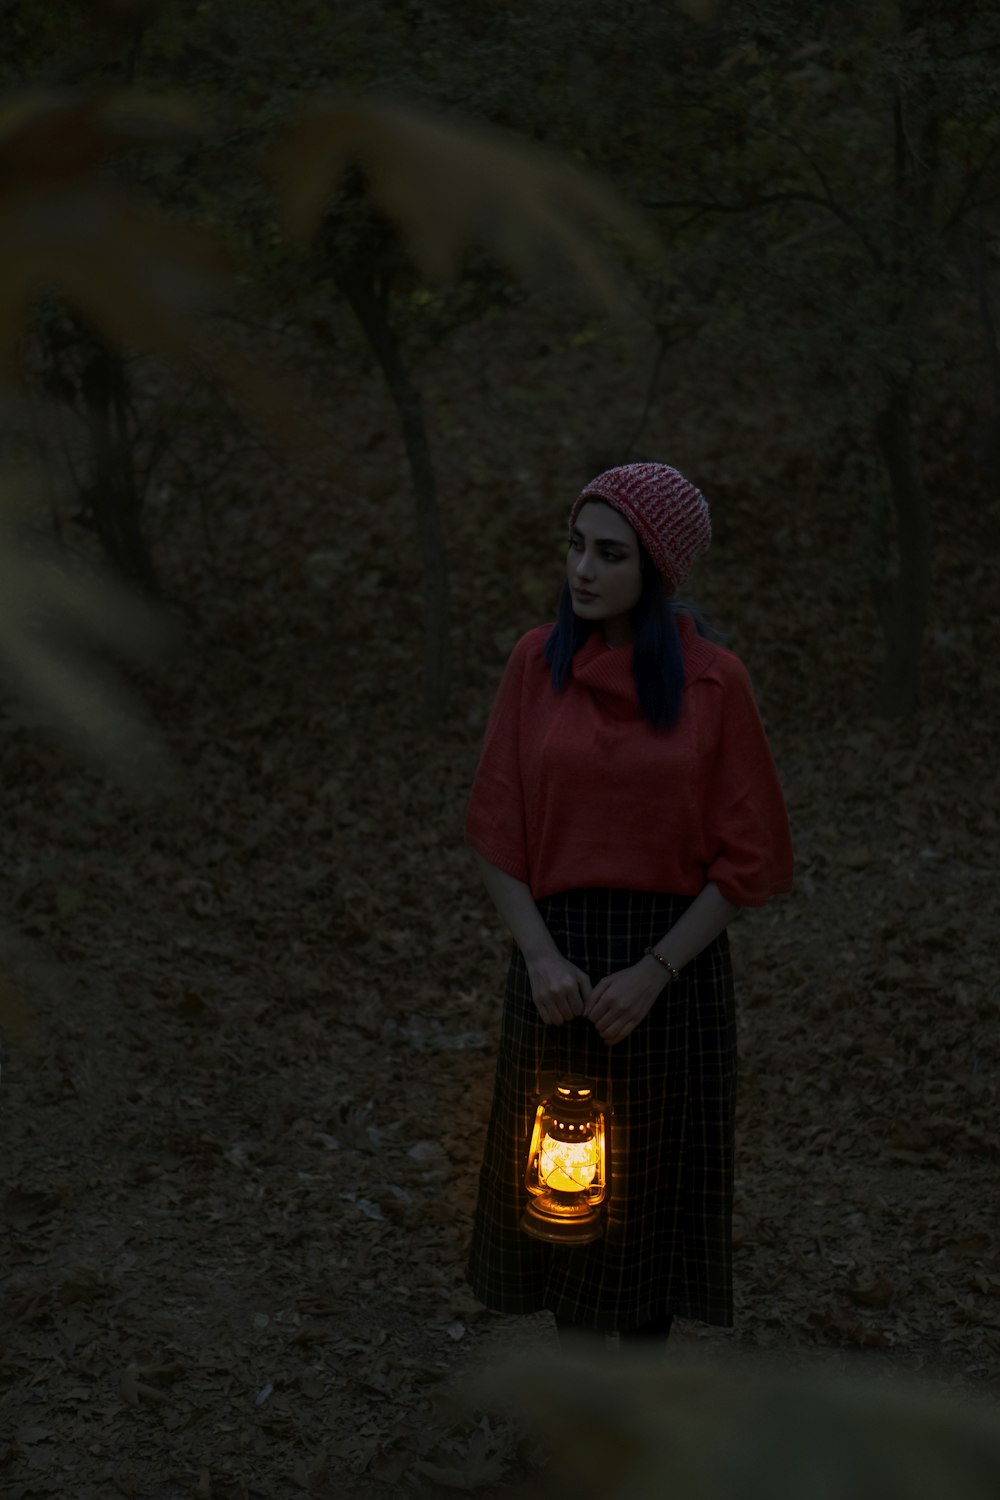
[[112, 493], [360, 292], [903, 601]]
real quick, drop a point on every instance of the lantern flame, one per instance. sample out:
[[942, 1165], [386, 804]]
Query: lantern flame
[[568, 1166]]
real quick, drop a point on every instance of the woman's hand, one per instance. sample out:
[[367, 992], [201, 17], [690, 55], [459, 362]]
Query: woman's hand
[[620, 1001], [559, 989]]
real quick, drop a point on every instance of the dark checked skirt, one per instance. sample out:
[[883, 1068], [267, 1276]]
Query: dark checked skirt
[[667, 1243]]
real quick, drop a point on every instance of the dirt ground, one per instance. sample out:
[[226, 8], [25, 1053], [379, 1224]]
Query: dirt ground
[[242, 1126]]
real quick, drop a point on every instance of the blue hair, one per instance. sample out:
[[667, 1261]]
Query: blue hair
[[657, 655]]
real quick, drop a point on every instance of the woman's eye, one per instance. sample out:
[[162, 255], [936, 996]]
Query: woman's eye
[[575, 543], [611, 556]]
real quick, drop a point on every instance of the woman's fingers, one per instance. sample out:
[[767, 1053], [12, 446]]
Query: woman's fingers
[[570, 1004], [559, 1005], [560, 990], [597, 1005]]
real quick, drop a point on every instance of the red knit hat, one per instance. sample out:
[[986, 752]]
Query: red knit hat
[[665, 510]]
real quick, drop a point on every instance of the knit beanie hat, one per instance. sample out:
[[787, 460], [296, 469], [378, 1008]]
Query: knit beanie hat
[[666, 511]]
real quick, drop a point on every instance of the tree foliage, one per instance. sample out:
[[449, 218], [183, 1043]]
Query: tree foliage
[[832, 168], [141, 278], [825, 181]]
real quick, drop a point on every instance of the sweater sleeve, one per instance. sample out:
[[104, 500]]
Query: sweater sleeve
[[494, 820], [746, 824]]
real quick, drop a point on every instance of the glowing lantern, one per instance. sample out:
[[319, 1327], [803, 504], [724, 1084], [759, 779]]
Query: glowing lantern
[[567, 1174]]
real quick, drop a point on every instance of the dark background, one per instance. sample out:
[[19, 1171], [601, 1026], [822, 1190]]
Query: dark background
[[251, 984]]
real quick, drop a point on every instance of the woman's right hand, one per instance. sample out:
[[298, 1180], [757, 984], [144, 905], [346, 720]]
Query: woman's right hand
[[559, 989]]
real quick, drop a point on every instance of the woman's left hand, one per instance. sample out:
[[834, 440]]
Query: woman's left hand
[[620, 1001]]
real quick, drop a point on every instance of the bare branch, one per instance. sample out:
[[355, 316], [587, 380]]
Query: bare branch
[[751, 205], [716, 205], [987, 319], [825, 199], [829, 198], [666, 342], [965, 198]]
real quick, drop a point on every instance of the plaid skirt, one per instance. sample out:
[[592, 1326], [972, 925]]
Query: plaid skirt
[[667, 1242]]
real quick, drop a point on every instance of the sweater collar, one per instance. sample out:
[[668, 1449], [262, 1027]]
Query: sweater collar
[[608, 670]]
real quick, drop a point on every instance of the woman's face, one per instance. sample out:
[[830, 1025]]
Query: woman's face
[[603, 570]]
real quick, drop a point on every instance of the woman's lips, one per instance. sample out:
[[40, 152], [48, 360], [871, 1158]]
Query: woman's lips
[[584, 594]]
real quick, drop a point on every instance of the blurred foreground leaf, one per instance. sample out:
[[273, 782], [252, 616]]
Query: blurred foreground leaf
[[448, 186], [644, 1427], [136, 275], [55, 135], [54, 631]]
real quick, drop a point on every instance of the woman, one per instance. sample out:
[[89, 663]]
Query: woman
[[625, 806]]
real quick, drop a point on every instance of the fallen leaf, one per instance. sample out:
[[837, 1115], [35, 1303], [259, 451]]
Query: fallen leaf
[[308, 1471], [134, 1391], [15, 1014], [973, 1244], [843, 1330], [480, 1465], [68, 901], [878, 1293], [29, 1435], [79, 1291], [22, 1207], [129, 1385], [320, 1307], [935, 1159]]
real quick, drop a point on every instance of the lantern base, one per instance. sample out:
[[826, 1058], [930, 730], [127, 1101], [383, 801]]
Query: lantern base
[[561, 1228]]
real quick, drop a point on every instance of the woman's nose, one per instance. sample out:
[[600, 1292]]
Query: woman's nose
[[584, 567]]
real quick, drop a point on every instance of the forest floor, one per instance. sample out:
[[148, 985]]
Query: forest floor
[[242, 1125]]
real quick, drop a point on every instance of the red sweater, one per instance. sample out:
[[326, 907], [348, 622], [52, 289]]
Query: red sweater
[[577, 789]]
